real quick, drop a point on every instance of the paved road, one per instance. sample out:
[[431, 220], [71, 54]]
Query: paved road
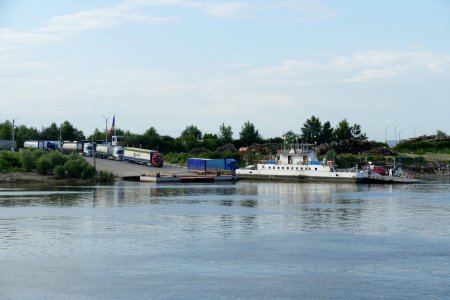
[[124, 169]]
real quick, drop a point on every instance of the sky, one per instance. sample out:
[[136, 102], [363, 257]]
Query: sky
[[172, 63]]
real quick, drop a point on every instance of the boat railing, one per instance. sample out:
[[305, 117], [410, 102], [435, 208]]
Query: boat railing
[[297, 149], [348, 170]]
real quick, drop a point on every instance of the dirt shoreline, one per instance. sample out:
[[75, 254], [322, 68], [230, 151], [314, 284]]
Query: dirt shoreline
[[30, 177]]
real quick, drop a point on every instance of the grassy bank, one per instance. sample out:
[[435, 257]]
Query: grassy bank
[[54, 164]]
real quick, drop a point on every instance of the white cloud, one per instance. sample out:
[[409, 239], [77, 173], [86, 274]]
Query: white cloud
[[97, 19], [299, 10], [361, 66]]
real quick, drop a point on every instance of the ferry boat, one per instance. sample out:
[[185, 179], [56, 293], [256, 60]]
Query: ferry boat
[[299, 161]]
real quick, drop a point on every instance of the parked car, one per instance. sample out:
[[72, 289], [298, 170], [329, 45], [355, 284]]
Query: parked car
[[379, 170]]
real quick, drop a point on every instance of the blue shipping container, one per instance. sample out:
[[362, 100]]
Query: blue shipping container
[[211, 165], [196, 164], [215, 165]]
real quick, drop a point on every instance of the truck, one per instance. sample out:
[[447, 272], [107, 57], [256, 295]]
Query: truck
[[152, 158], [45, 145], [75, 146], [7, 144], [88, 149], [109, 152], [205, 165]]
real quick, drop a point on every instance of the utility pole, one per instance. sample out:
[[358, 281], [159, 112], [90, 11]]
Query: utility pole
[[396, 135], [60, 137], [106, 129], [385, 134], [94, 145], [13, 129]]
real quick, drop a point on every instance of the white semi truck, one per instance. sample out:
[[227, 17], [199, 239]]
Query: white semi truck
[[88, 149], [72, 147], [152, 158], [109, 152], [46, 145]]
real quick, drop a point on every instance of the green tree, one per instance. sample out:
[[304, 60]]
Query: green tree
[[357, 133], [343, 131], [225, 134], [191, 136], [151, 139], [326, 135], [23, 133], [97, 135], [191, 132], [131, 139], [441, 134], [210, 141], [290, 137], [6, 130], [70, 133], [50, 133], [249, 135], [311, 130]]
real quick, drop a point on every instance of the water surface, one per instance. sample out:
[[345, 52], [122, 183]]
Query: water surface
[[225, 241]]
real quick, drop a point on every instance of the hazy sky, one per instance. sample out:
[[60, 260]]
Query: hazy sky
[[173, 63]]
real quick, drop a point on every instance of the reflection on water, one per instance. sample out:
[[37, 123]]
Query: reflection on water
[[259, 206], [286, 235]]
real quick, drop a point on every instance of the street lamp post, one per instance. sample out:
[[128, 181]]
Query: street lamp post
[[106, 129], [385, 134], [13, 128], [395, 134], [13, 131]]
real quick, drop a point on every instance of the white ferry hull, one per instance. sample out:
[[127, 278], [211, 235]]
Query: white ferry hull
[[301, 175]]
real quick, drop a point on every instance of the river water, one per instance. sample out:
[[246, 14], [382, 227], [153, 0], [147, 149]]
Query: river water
[[246, 240]]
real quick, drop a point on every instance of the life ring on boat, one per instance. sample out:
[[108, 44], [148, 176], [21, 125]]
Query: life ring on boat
[[280, 162]]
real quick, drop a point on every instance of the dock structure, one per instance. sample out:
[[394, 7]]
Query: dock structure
[[174, 178], [377, 178]]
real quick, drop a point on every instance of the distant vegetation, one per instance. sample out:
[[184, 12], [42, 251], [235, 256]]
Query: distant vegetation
[[347, 144], [312, 131], [71, 166], [438, 143]]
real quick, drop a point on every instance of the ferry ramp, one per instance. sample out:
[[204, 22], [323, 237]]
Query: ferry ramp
[[126, 170]]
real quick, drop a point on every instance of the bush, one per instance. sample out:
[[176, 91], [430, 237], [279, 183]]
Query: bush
[[44, 165], [59, 171], [105, 176], [89, 172], [9, 160], [346, 160], [27, 160], [57, 158], [73, 168]]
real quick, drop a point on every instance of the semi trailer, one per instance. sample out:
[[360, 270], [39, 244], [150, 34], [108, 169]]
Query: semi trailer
[[152, 158]]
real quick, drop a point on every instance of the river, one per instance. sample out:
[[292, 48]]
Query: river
[[248, 240]]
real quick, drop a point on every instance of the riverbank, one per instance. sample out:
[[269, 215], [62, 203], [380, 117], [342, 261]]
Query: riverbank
[[33, 178]]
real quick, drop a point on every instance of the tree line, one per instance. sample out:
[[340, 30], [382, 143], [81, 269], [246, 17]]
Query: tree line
[[312, 131]]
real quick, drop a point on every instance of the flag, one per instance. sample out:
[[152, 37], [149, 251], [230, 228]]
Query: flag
[[113, 125]]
